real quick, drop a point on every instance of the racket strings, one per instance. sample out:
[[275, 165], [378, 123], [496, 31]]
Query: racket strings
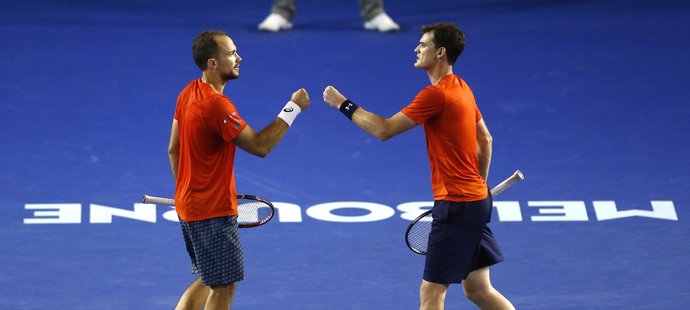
[[251, 211], [418, 235]]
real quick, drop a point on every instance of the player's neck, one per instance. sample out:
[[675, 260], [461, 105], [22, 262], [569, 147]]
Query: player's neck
[[216, 83], [437, 72]]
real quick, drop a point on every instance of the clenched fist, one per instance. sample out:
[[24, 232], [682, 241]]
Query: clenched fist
[[301, 98], [333, 97]]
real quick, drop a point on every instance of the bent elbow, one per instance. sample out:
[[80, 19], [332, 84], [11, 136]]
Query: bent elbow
[[486, 139], [262, 152], [489, 139], [172, 151], [261, 155], [254, 149], [384, 138], [383, 135]]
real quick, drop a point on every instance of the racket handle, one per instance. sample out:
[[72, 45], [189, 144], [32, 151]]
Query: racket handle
[[158, 200], [498, 189]]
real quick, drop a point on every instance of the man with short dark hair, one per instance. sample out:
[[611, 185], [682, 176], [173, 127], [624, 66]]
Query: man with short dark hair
[[206, 129], [461, 246]]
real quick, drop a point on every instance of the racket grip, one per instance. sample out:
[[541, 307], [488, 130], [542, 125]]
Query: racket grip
[[501, 187], [158, 200]]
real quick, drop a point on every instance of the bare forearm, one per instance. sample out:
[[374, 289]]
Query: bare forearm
[[484, 145], [174, 158], [271, 135], [375, 125], [261, 143], [372, 124], [484, 158], [484, 150], [174, 149]]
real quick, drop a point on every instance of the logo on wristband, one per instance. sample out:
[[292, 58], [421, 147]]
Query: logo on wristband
[[288, 110]]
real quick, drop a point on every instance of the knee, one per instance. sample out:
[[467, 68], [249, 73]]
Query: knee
[[471, 294], [426, 292], [226, 290], [477, 293], [431, 293]]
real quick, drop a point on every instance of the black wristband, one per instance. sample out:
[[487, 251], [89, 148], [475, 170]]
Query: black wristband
[[348, 108]]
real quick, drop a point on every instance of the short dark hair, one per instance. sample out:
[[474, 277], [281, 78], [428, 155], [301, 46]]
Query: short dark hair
[[447, 35], [205, 47]]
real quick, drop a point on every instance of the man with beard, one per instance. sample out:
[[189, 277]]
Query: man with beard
[[205, 132]]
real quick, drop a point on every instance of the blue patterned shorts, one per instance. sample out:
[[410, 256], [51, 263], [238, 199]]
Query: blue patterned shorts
[[215, 249]]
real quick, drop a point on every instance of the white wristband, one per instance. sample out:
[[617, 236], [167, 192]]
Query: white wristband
[[289, 112]]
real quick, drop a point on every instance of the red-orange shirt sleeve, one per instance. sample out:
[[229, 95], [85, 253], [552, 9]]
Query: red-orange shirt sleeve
[[428, 102], [224, 118]]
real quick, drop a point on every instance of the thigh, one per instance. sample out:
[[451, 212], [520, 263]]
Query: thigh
[[217, 251], [453, 242], [455, 227]]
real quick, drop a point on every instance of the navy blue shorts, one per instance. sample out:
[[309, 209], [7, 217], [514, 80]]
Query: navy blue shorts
[[460, 241], [215, 249]]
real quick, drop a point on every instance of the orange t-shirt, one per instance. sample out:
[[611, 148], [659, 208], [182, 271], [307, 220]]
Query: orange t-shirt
[[449, 114], [207, 124]]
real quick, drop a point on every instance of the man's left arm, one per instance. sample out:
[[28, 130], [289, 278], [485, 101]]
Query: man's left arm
[[375, 125], [484, 149]]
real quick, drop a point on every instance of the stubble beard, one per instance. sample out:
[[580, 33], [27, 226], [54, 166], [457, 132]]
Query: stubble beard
[[230, 76]]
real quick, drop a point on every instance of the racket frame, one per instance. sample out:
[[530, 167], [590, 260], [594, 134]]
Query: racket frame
[[261, 221], [171, 202], [497, 190], [409, 227]]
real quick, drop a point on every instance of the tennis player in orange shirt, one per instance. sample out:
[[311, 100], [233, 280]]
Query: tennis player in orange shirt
[[461, 245], [206, 130]]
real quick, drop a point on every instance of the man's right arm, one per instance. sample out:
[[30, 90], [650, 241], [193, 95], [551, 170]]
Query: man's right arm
[[174, 149], [373, 124]]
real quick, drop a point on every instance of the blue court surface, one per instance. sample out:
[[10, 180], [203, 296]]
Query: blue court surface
[[588, 98]]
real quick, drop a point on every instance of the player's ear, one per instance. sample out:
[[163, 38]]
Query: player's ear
[[441, 52], [211, 63]]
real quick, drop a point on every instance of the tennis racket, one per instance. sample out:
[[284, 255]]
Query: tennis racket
[[252, 211], [417, 233]]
